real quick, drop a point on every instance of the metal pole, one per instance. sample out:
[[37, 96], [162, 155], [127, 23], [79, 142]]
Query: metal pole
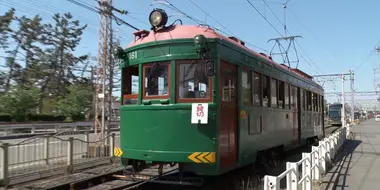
[[104, 65], [343, 115], [110, 74], [352, 96]]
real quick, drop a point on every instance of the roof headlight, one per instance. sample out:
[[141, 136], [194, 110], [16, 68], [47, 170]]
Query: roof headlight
[[158, 18]]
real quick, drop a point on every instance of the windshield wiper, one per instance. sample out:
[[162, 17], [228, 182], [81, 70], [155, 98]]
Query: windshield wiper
[[152, 69], [190, 67]]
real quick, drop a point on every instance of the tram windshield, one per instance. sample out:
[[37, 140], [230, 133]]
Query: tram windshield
[[335, 114], [193, 84], [156, 79]]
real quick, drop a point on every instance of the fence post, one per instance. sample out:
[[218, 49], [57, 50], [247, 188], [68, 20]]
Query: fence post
[[112, 144], [332, 147], [70, 155], [323, 157], [306, 170], [87, 140], [316, 158], [270, 183], [46, 149], [292, 178], [4, 173]]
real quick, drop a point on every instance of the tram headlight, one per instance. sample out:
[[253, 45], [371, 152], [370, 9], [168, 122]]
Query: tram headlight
[[119, 52], [200, 43], [158, 18]]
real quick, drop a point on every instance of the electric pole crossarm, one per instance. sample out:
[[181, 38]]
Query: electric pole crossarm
[[332, 75], [284, 38], [358, 93]]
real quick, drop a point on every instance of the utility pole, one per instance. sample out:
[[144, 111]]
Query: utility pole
[[352, 95], [321, 79], [376, 73], [105, 32], [343, 112], [105, 66]]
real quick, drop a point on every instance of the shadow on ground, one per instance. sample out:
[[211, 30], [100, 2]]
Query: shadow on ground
[[340, 171]]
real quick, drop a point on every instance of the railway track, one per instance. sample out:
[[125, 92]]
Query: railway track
[[114, 177], [103, 178]]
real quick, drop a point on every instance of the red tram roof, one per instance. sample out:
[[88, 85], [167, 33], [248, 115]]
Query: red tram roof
[[190, 31]]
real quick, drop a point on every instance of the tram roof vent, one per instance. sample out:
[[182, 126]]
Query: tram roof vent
[[302, 73], [265, 55], [237, 40], [140, 34]]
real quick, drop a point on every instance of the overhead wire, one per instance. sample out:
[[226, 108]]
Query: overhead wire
[[44, 16], [307, 29], [24, 9], [371, 52], [191, 1], [29, 10], [201, 22], [253, 6], [257, 10], [279, 20], [90, 8]]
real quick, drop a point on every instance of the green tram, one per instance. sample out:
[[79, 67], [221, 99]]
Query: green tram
[[195, 97]]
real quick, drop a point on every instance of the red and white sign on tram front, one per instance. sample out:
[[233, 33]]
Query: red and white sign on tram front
[[199, 113]]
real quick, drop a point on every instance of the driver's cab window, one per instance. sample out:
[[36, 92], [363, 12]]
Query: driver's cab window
[[156, 80], [193, 85]]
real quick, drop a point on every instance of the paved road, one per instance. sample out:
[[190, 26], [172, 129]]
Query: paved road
[[359, 163]]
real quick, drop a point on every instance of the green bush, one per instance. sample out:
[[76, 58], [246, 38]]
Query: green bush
[[5, 117], [79, 117], [39, 117], [45, 117]]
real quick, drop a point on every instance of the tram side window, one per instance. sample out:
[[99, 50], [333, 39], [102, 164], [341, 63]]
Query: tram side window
[[303, 99], [246, 94], [321, 103], [130, 87], [309, 105], [266, 91], [281, 94], [193, 84], [315, 98], [312, 101], [295, 97], [306, 100], [274, 93], [228, 89], [292, 103], [257, 88], [287, 98]]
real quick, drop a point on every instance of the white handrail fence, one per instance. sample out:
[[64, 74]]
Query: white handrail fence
[[313, 164]]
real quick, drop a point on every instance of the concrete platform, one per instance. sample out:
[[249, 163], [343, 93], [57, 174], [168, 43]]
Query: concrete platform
[[358, 165]]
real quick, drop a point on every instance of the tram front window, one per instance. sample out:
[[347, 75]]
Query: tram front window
[[193, 85], [156, 80]]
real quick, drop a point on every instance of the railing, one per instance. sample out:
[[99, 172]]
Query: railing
[[43, 156], [312, 165], [53, 125], [33, 128]]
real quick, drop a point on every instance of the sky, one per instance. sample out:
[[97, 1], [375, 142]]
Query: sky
[[337, 35]]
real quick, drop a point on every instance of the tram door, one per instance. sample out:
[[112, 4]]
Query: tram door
[[228, 115], [296, 106]]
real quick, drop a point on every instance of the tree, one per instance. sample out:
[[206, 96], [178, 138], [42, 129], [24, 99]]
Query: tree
[[5, 22], [77, 101], [19, 102], [61, 39]]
